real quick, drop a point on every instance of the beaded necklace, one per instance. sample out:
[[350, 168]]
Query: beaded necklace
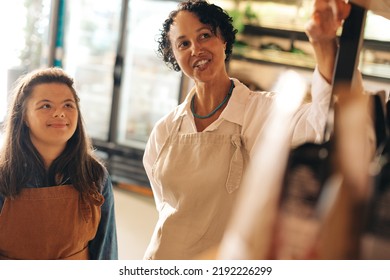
[[217, 108]]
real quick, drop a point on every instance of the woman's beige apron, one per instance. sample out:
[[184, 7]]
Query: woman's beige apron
[[200, 173], [48, 223]]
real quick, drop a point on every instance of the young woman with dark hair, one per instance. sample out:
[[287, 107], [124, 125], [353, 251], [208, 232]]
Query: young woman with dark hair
[[56, 197]]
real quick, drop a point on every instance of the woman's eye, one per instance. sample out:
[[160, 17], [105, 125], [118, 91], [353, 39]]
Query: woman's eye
[[183, 45], [70, 106], [207, 34], [46, 106]]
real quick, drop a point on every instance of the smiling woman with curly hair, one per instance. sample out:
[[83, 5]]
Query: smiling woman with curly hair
[[210, 15], [197, 154]]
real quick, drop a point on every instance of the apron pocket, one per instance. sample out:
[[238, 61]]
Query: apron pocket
[[236, 167]]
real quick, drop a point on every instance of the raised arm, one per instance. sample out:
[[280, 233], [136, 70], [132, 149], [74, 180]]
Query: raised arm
[[327, 18]]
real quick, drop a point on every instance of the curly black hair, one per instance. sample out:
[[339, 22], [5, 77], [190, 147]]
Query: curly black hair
[[209, 14]]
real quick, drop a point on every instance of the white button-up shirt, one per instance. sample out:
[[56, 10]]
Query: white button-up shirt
[[249, 110]]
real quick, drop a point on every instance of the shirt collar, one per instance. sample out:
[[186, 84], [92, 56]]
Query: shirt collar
[[233, 112]]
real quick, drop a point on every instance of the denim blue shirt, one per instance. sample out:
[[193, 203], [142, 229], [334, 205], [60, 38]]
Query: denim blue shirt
[[105, 245]]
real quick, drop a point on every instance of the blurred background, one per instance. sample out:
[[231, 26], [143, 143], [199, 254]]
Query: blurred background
[[109, 47]]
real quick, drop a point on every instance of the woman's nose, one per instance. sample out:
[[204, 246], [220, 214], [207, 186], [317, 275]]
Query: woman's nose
[[196, 49], [59, 114]]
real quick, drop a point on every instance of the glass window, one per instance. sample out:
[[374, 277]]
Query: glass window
[[149, 88], [91, 38], [24, 26]]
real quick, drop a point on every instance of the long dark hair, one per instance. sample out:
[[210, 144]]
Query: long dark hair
[[20, 162], [209, 14]]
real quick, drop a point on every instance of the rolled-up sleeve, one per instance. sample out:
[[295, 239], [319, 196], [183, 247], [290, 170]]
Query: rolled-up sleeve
[[310, 120]]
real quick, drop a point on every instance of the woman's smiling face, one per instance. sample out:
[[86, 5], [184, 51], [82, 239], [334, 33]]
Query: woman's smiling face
[[199, 52], [51, 114]]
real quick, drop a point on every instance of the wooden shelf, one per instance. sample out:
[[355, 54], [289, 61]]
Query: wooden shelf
[[254, 53], [275, 32], [275, 57]]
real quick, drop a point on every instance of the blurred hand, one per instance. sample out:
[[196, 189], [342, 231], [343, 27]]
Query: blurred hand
[[327, 17]]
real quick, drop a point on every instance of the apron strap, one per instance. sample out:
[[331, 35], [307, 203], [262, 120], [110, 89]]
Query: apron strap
[[172, 135]]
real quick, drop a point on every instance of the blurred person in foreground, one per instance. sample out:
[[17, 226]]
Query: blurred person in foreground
[[56, 197], [197, 154]]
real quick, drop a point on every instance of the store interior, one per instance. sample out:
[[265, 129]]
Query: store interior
[[109, 48]]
